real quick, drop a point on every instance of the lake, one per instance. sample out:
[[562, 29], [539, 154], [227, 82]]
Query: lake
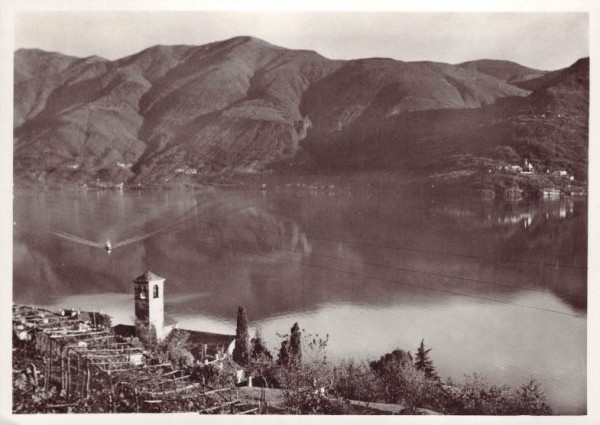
[[495, 288]]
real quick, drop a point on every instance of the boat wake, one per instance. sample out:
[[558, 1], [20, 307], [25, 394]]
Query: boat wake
[[178, 223]]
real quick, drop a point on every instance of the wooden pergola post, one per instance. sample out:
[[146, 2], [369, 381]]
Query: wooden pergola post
[[69, 374], [112, 393], [137, 400], [48, 368], [77, 383], [88, 377], [62, 370]]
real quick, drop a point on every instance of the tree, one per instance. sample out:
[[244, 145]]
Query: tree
[[261, 360], [424, 363], [397, 356], [283, 358], [505, 153], [477, 397], [401, 382], [356, 381], [531, 400], [212, 375], [102, 320], [296, 344], [175, 347], [258, 347], [242, 338], [146, 334], [290, 353], [302, 382]]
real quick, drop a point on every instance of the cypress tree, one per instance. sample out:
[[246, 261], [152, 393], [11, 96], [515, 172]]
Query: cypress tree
[[424, 363], [284, 353], [242, 338], [296, 344]]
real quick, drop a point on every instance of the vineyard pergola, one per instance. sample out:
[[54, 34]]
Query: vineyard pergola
[[86, 360]]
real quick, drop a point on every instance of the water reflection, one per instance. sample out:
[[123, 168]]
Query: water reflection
[[438, 269], [522, 214], [285, 245]]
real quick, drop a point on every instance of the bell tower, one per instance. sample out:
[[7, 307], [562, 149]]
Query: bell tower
[[149, 301]]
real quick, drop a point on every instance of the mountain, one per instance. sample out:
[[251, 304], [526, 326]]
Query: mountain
[[548, 127], [508, 71], [232, 104], [241, 107]]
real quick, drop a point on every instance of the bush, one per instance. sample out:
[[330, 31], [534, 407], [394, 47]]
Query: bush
[[356, 381], [478, 397], [401, 382], [315, 404], [175, 348], [306, 370], [261, 362], [146, 334]]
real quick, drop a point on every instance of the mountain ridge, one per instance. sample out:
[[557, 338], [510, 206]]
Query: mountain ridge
[[229, 109]]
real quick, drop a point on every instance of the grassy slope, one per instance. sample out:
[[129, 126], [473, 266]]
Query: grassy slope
[[226, 108]]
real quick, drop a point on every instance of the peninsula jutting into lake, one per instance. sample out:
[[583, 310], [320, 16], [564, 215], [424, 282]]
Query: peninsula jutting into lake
[[240, 227]]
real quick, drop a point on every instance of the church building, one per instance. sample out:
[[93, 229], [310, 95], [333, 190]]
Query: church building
[[149, 306], [149, 294]]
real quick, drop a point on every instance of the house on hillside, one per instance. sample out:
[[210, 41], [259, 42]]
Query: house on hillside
[[186, 170], [513, 168], [527, 168]]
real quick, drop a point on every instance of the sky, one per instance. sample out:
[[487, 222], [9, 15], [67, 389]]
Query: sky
[[539, 40]]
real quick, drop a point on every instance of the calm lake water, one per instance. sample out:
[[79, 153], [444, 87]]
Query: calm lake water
[[494, 288]]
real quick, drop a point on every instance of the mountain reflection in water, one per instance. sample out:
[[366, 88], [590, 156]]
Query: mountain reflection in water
[[495, 288]]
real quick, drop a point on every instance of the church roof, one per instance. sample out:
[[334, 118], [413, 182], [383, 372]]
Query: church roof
[[148, 277], [196, 339], [209, 338], [124, 330]]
